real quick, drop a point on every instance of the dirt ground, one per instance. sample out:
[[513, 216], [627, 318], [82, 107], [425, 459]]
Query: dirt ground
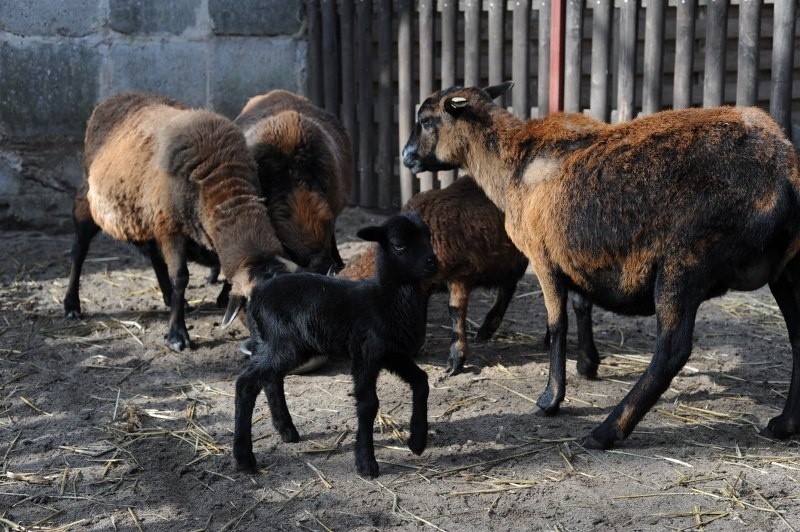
[[104, 428]]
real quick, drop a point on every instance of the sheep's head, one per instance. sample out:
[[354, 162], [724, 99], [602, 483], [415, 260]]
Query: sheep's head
[[447, 121], [405, 244]]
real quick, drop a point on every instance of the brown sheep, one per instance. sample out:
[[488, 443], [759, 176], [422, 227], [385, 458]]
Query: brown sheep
[[176, 182], [651, 216], [305, 167], [473, 249]]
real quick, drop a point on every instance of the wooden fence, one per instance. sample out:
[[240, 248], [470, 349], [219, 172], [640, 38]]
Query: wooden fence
[[372, 62]]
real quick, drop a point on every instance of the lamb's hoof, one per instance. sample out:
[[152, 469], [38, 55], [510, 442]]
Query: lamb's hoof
[[290, 435], [247, 463], [178, 341], [778, 429], [74, 314], [368, 468], [418, 441], [545, 412], [590, 442]]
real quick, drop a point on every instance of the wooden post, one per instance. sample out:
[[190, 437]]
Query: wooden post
[[330, 57], [627, 59], [543, 93], [557, 22], [573, 35], [405, 80], [653, 56], [780, 105], [314, 81], [346, 24], [520, 59], [386, 152], [497, 10], [426, 43], [366, 171], [601, 47], [747, 62], [684, 54], [472, 43], [449, 25], [716, 28]]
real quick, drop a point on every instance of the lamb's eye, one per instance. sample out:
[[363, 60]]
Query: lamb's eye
[[399, 248]]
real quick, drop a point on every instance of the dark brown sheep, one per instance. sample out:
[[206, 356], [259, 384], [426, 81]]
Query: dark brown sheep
[[473, 250], [176, 182], [305, 167], [652, 216]]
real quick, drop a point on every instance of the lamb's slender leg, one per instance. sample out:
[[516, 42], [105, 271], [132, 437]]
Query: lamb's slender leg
[[505, 292], [247, 388], [85, 231], [588, 357], [787, 293], [365, 376], [676, 308], [160, 269], [555, 300], [174, 252], [459, 301], [276, 398], [405, 368]]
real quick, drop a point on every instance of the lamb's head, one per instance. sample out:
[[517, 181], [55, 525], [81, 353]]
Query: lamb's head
[[446, 122], [405, 251]]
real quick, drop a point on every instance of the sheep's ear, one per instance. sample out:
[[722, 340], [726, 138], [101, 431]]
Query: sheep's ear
[[498, 90], [373, 233], [455, 104], [235, 304]]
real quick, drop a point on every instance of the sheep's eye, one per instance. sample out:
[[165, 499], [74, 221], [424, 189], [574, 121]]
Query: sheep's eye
[[426, 122], [398, 247]]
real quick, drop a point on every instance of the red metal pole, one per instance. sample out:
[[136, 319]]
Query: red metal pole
[[558, 10]]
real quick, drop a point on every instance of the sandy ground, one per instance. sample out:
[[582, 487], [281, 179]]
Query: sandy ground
[[104, 428]]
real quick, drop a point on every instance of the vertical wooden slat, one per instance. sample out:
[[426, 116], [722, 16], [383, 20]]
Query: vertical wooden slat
[[747, 63], [716, 29], [365, 114], [653, 55], [557, 22], [385, 108], [780, 105], [330, 57], [426, 45], [405, 80], [346, 24], [472, 43], [496, 42], [520, 71], [573, 37], [543, 93], [314, 52], [684, 54], [601, 47], [449, 25], [627, 59]]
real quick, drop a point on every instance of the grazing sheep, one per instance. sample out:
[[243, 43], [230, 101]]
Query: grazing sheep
[[175, 182], [652, 216], [305, 166], [379, 323], [473, 249]]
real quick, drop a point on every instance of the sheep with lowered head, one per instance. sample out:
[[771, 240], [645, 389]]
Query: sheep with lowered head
[[378, 323], [174, 181], [651, 216]]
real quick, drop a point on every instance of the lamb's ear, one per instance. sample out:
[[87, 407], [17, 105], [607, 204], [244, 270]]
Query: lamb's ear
[[235, 304], [372, 233], [498, 90], [455, 104]]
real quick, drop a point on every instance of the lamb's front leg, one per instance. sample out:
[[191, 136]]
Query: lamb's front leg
[[555, 301], [365, 379], [405, 368]]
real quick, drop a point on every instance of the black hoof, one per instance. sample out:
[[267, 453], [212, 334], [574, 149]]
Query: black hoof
[[483, 335], [542, 412], [247, 463], [590, 442], [588, 370], [290, 435], [779, 429], [417, 442], [368, 468], [178, 341], [73, 314], [455, 365]]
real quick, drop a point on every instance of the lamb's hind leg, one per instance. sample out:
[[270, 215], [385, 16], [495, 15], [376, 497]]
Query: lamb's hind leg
[[247, 387], [786, 291], [405, 368]]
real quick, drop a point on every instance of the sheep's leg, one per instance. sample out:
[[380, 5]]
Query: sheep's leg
[[247, 388], [459, 301], [85, 231], [405, 368], [367, 405], [505, 292], [160, 268], [676, 309], [174, 252], [555, 300], [276, 398], [787, 294], [588, 357]]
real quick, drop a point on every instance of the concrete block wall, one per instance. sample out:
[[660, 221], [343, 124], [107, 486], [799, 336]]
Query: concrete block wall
[[59, 58]]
